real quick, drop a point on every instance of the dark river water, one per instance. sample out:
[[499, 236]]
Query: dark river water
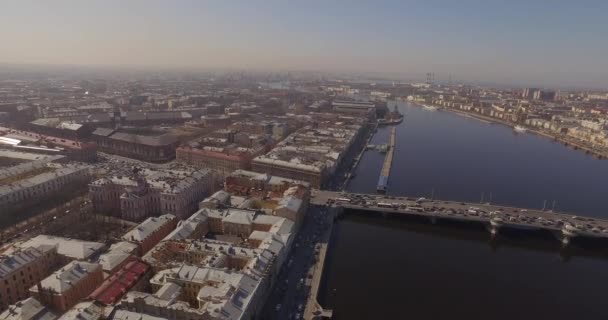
[[394, 269]]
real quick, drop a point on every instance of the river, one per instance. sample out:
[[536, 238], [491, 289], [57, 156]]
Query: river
[[394, 269]]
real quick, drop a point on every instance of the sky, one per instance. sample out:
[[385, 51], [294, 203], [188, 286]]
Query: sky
[[546, 43]]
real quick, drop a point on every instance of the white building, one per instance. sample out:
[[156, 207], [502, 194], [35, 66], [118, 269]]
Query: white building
[[151, 192]]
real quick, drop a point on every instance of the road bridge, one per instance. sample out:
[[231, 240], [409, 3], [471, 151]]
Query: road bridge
[[564, 226]]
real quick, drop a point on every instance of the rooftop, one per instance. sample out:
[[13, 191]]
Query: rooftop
[[130, 315], [88, 310], [186, 227], [71, 248], [28, 309], [20, 258], [65, 278], [146, 228], [115, 286]]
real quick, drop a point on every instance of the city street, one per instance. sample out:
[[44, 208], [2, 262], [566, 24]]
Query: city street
[[288, 299]]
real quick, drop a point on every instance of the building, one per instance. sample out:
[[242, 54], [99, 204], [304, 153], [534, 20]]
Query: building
[[219, 159], [227, 150], [151, 192], [66, 287], [152, 148], [74, 149], [119, 254], [67, 249], [148, 233], [28, 309], [22, 269], [219, 199], [59, 128], [164, 304], [130, 315], [244, 182], [87, 310], [195, 227], [309, 154], [132, 276], [26, 184], [290, 207], [218, 293], [213, 279], [354, 107]]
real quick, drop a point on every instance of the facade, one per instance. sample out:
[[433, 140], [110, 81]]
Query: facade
[[354, 107], [221, 161], [64, 288], [315, 174], [150, 232], [29, 183], [151, 192], [22, 269]]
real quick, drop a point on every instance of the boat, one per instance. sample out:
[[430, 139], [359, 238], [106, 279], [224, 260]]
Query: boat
[[430, 108], [383, 122], [519, 128], [394, 117]]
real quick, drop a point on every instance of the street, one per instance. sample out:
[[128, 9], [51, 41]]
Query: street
[[289, 297]]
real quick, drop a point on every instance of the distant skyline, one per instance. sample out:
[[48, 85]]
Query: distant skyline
[[547, 43]]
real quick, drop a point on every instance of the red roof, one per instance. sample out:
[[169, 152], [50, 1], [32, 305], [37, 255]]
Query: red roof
[[119, 283]]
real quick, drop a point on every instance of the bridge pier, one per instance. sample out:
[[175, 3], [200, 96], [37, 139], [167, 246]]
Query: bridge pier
[[565, 241], [568, 232], [493, 231], [495, 224], [433, 220]]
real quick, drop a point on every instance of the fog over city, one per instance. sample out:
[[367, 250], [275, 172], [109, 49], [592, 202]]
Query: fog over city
[[507, 42]]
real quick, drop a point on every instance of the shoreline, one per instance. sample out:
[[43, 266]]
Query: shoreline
[[578, 146]]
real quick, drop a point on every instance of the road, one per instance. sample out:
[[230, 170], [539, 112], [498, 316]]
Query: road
[[289, 297], [480, 212]]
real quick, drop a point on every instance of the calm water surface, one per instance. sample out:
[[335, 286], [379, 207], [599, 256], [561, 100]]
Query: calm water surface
[[393, 269]]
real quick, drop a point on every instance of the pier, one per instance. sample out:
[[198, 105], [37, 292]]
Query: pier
[[563, 225], [388, 162]]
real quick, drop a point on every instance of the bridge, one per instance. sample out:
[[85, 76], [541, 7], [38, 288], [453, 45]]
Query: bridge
[[565, 226]]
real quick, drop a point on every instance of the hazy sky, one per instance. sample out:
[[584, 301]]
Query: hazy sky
[[548, 42]]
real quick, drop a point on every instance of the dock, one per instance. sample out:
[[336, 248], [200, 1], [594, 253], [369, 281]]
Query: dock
[[388, 162]]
